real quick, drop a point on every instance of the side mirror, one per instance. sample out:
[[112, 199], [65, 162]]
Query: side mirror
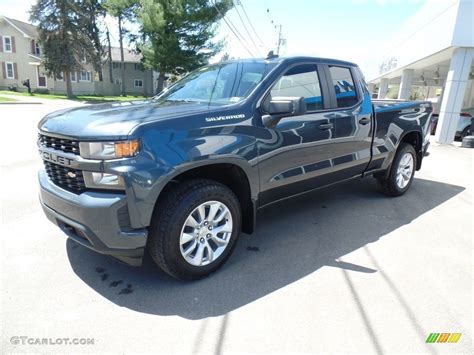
[[280, 107]]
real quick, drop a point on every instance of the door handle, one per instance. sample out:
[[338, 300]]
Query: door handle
[[325, 126], [364, 120]]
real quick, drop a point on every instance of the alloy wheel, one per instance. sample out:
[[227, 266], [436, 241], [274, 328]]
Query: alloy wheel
[[206, 233], [405, 170]]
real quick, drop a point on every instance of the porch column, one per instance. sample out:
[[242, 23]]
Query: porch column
[[383, 88], [453, 94], [371, 88], [405, 85]]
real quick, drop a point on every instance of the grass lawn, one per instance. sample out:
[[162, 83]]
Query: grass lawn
[[86, 98], [5, 99]]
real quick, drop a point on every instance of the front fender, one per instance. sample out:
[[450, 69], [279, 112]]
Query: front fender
[[171, 154]]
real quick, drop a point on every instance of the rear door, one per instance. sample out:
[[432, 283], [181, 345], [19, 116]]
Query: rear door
[[352, 114]]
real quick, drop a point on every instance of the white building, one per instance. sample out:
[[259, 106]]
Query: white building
[[431, 57]]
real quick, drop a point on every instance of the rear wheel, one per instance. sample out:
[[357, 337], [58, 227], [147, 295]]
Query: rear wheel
[[194, 229], [401, 173]]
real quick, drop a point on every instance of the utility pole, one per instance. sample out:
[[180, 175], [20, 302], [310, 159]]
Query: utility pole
[[279, 41]]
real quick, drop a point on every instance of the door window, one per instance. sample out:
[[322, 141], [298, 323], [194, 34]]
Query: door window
[[343, 84], [301, 81]]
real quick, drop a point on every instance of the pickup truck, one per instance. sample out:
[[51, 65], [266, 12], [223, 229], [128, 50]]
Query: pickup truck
[[182, 174]]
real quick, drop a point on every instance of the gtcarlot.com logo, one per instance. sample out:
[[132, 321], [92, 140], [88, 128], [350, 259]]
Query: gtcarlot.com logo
[[26, 340]]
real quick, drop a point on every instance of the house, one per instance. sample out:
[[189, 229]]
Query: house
[[20, 59]]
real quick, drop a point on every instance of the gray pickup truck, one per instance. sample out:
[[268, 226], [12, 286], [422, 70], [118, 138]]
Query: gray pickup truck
[[182, 174]]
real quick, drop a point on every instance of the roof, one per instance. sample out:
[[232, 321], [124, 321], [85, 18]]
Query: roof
[[293, 59], [27, 29], [31, 31], [128, 55]]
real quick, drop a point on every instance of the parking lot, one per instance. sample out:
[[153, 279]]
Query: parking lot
[[337, 269]]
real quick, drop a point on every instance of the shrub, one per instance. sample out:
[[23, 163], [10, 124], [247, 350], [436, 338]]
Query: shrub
[[41, 91]]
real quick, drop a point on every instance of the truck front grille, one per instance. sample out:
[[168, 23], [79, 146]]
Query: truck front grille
[[65, 145], [67, 178]]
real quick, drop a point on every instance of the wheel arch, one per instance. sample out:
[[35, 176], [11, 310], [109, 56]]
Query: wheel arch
[[415, 139], [231, 173]]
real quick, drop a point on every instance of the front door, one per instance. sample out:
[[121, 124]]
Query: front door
[[41, 77], [296, 155]]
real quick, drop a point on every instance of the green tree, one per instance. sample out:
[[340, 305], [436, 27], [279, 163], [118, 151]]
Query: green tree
[[61, 35], [178, 35], [96, 53], [122, 10]]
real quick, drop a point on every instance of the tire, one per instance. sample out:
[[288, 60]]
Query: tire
[[177, 218], [397, 183], [466, 132]]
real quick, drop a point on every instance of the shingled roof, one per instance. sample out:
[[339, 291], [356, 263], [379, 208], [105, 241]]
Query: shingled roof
[[27, 29], [128, 55]]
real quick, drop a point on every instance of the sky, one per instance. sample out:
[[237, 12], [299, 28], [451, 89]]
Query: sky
[[352, 30]]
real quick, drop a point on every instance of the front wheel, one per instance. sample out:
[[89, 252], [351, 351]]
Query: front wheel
[[194, 229], [401, 173]]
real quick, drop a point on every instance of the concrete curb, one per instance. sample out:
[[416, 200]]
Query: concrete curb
[[21, 103]]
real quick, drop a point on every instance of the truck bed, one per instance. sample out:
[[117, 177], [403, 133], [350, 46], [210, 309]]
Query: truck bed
[[396, 105]]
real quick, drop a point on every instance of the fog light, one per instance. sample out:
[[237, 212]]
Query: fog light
[[96, 180]]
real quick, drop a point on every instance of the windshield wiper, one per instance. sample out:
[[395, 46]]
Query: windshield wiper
[[181, 100]]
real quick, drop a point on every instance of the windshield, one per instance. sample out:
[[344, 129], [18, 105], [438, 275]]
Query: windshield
[[218, 84]]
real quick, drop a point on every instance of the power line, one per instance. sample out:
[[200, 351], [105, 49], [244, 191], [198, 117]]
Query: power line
[[233, 29], [271, 19], [250, 23], [237, 36], [246, 29], [277, 32]]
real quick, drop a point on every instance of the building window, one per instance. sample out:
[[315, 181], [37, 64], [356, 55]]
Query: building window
[[10, 69], [138, 66], [116, 65], [85, 76], [37, 49], [138, 83], [73, 76], [118, 81], [7, 44], [60, 77]]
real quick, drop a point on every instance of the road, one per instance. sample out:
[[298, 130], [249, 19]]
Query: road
[[343, 269]]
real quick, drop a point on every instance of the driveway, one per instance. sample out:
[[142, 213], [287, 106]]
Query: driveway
[[343, 269]]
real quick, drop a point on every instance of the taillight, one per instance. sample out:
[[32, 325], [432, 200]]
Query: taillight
[[465, 114]]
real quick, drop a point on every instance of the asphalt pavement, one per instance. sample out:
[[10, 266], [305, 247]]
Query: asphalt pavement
[[343, 270]]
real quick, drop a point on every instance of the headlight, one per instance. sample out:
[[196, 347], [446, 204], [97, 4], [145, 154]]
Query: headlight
[[109, 150], [103, 181]]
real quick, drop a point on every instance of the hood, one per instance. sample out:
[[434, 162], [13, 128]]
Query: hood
[[113, 120]]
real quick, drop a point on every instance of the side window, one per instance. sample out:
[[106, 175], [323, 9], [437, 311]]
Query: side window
[[301, 81], [346, 94]]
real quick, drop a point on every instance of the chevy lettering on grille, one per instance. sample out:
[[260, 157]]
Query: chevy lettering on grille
[[54, 158]]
